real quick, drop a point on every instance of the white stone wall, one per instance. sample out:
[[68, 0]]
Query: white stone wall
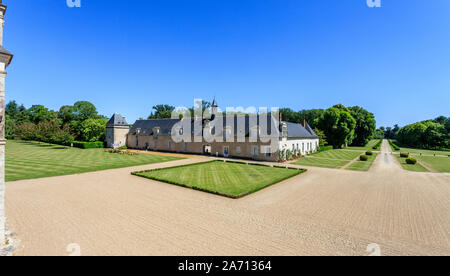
[[304, 145]]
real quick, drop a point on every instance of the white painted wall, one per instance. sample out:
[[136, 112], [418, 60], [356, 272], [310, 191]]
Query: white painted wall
[[304, 145]]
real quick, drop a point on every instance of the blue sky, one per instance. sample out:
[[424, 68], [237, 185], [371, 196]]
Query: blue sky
[[126, 56]]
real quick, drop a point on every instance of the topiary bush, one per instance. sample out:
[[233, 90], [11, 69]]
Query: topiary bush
[[364, 158], [404, 155], [369, 153], [411, 161]]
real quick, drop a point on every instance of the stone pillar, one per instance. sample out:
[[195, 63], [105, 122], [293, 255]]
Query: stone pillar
[[5, 59]]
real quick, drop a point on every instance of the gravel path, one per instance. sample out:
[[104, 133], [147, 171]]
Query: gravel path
[[321, 212]]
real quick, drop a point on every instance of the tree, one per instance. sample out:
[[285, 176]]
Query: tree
[[322, 137], [66, 114], [365, 125], [338, 125], [12, 109], [290, 115], [39, 113], [93, 130], [84, 110], [312, 116], [162, 111]]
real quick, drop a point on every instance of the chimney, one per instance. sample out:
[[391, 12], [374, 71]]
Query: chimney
[[304, 123], [281, 117]]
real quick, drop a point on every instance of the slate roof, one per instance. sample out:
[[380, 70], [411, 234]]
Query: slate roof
[[6, 52], [298, 131], [117, 120], [166, 125]]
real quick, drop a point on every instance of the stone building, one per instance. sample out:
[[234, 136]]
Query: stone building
[[240, 136]]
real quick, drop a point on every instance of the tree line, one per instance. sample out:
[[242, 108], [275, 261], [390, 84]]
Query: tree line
[[430, 134], [78, 122]]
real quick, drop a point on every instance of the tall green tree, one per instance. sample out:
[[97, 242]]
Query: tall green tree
[[338, 125], [162, 111], [365, 125]]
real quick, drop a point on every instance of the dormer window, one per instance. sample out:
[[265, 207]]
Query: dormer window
[[155, 132]]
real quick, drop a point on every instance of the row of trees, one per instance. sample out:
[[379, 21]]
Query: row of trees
[[338, 126], [80, 122], [430, 134]]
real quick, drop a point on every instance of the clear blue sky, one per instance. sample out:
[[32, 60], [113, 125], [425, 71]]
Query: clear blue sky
[[126, 56]]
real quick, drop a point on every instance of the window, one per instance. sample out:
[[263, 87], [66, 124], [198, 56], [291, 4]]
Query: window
[[226, 151], [156, 145], [185, 146], [303, 147], [170, 144], [293, 147], [255, 151], [267, 151], [155, 132], [238, 149]]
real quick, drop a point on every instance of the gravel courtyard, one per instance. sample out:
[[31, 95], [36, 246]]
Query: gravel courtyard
[[321, 212]]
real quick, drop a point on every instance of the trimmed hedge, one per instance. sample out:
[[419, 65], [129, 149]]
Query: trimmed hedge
[[404, 155], [369, 153], [325, 148], [378, 145], [364, 158], [396, 148], [411, 161], [89, 145]]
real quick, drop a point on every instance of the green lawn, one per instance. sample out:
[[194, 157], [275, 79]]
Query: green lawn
[[425, 152], [229, 179], [363, 165], [28, 160], [440, 164], [414, 168], [323, 163], [368, 147], [333, 159], [338, 154]]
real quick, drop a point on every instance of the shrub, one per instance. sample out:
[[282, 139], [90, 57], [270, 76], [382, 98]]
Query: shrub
[[378, 145], [404, 155], [123, 148], [364, 158], [411, 161], [396, 148], [88, 145], [325, 148], [369, 153]]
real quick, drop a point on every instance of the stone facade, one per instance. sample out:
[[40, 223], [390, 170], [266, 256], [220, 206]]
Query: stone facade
[[117, 130], [5, 60], [156, 135]]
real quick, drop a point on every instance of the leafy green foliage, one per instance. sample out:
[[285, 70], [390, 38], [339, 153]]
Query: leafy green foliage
[[162, 111], [411, 161], [404, 155], [93, 130], [364, 158], [338, 125], [78, 122], [431, 134], [365, 125], [88, 145]]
